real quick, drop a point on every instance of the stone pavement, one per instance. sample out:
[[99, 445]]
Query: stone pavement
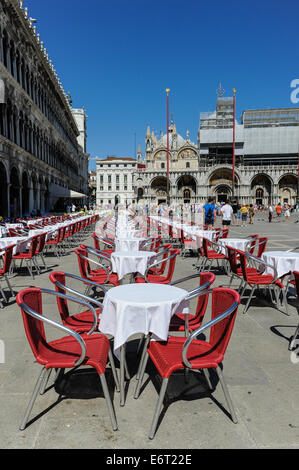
[[262, 380]]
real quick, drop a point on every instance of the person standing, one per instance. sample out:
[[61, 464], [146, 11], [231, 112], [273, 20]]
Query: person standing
[[209, 210], [251, 213], [287, 213], [227, 213], [244, 212], [278, 211], [270, 213]]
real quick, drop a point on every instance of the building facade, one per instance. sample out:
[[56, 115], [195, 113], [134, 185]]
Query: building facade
[[115, 180], [266, 159], [42, 150]]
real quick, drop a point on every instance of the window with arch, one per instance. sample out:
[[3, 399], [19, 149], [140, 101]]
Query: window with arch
[[187, 164], [162, 165]]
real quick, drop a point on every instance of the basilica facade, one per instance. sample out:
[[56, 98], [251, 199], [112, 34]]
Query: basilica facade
[[266, 159]]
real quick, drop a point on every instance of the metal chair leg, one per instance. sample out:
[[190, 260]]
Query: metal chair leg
[[249, 299], [109, 402], [227, 395], [33, 398], [158, 409]]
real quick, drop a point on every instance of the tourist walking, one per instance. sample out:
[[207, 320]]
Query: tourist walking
[[227, 214], [209, 210]]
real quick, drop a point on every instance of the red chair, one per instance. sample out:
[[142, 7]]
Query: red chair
[[56, 242], [68, 352], [255, 279], [83, 321], [101, 275], [210, 254], [40, 248], [160, 279], [29, 256], [293, 343], [189, 353], [8, 254], [187, 323], [187, 244]]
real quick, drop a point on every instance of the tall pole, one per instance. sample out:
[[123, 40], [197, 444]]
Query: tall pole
[[168, 195], [234, 144]]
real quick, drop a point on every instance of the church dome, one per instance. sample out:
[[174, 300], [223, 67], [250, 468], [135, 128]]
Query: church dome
[[175, 140]]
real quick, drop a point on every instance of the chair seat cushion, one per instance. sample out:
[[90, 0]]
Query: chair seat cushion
[[64, 352], [82, 321], [167, 356]]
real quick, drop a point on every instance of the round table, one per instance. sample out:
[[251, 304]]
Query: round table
[[140, 308], [129, 243], [238, 243], [283, 261], [129, 262]]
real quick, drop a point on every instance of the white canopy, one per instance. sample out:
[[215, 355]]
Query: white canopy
[[59, 191]]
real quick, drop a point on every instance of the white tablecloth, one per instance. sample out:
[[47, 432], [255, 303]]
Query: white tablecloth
[[238, 243], [283, 261], [141, 308], [128, 262], [129, 244], [20, 242]]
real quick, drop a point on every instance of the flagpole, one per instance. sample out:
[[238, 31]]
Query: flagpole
[[234, 144], [168, 195]]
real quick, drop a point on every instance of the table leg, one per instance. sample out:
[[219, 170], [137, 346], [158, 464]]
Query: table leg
[[122, 376]]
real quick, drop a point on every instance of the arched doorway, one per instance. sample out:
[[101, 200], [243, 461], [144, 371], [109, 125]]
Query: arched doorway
[[159, 189], [186, 187], [261, 189], [220, 184], [25, 194], [3, 191], [223, 193], [288, 189], [14, 193], [140, 193], [34, 190]]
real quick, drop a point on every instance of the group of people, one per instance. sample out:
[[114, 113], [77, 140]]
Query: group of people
[[240, 214]]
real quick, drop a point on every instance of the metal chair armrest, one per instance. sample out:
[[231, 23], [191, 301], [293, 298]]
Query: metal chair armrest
[[154, 265], [81, 302], [187, 278], [63, 328]]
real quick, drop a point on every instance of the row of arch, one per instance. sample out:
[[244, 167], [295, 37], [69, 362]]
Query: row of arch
[[21, 192], [262, 188]]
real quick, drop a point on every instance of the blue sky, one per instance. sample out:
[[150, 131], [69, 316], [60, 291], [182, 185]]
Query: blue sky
[[118, 57]]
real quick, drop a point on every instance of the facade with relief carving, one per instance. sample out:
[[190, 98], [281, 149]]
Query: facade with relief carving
[[266, 159], [42, 139]]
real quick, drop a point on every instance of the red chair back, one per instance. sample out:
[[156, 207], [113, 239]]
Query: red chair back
[[262, 246], [34, 328], [96, 241], [7, 259], [232, 258], [222, 299], [84, 265], [202, 302], [61, 303], [41, 243]]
